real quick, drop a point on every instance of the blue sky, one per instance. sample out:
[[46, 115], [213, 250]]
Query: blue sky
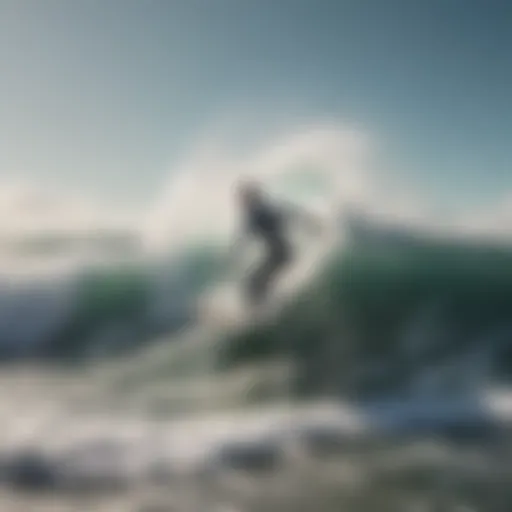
[[102, 95]]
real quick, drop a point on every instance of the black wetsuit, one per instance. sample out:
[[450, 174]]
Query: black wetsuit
[[267, 223]]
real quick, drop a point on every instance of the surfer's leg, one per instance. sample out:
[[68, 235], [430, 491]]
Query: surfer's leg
[[262, 278], [257, 283]]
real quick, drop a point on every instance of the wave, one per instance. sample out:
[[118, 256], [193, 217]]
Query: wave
[[395, 308], [395, 311], [97, 309], [88, 278], [392, 310]]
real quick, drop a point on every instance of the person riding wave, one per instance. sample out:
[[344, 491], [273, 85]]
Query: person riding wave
[[267, 222]]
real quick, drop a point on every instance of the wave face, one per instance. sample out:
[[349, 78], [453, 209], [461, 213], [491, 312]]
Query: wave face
[[102, 309], [395, 311]]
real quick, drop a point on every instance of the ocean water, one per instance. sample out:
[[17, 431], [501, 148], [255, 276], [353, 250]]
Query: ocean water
[[390, 358]]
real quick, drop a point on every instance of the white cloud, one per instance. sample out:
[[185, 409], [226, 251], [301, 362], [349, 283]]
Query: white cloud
[[27, 208]]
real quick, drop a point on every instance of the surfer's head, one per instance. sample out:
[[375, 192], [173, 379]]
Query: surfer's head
[[249, 192]]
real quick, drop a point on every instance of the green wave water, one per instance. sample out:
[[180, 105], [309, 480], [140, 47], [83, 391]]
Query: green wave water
[[394, 304], [122, 296]]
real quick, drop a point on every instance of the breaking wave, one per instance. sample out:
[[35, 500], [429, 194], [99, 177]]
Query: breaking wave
[[408, 308]]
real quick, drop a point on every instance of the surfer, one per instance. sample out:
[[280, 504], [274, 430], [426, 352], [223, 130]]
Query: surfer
[[267, 223]]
